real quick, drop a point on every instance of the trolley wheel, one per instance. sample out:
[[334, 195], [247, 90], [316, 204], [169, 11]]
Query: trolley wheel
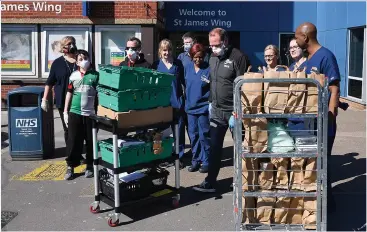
[[94, 210], [175, 203], [111, 223]]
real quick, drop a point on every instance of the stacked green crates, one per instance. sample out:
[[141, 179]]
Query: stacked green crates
[[135, 154], [125, 88]]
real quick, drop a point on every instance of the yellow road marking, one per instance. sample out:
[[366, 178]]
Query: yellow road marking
[[54, 170]]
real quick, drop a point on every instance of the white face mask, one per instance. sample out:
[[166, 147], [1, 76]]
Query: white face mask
[[131, 54], [85, 64], [218, 51], [187, 46]]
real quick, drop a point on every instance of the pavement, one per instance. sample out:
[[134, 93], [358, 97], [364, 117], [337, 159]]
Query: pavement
[[34, 202]]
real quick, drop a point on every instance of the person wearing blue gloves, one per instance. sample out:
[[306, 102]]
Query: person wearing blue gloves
[[226, 63], [196, 106], [167, 64]]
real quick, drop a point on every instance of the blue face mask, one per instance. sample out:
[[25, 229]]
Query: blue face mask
[[187, 47]]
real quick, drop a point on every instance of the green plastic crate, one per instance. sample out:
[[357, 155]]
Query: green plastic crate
[[135, 154], [123, 78], [122, 101]]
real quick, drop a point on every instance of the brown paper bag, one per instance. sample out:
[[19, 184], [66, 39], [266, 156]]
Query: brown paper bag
[[281, 165], [312, 93], [248, 210], [297, 94], [264, 210], [266, 176], [296, 175], [309, 181], [309, 213], [249, 174], [256, 136], [281, 209], [251, 94], [276, 94], [296, 211]]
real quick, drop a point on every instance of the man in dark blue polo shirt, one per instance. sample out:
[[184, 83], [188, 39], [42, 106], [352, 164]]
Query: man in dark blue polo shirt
[[188, 40], [324, 61]]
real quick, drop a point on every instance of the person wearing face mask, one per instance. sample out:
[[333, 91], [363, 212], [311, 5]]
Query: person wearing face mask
[[197, 82], [80, 99], [167, 64], [58, 78], [226, 63], [134, 56], [188, 40]]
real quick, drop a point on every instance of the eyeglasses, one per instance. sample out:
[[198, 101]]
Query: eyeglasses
[[269, 56], [293, 48], [216, 46], [132, 48]]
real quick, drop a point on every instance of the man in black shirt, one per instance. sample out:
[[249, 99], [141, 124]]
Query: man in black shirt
[[226, 63], [134, 57]]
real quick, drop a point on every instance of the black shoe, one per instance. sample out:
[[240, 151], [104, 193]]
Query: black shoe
[[204, 169], [69, 175], [193, 168], [205, 187], [182, 165]]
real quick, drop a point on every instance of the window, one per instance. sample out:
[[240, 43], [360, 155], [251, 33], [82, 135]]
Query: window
[[284, 40], [51, 36], [18, 51], [356, 60], [111, 42]]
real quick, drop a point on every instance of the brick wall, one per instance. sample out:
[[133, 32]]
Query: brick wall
[[74, 10], [106, 12], [68, 10], [5, 88]]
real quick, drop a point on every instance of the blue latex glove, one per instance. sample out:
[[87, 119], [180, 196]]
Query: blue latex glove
[[231, 122]]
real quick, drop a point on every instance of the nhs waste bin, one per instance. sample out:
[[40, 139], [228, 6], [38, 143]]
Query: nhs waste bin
[[31, 129]]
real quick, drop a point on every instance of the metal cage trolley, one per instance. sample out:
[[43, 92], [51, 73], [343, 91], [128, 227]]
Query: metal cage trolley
[[110, 125], [279, 169]]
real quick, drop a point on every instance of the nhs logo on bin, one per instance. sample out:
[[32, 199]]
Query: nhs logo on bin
[[26, 122]]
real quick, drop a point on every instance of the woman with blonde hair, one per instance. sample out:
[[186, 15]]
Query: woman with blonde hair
[[271, 57], [60, 71], [168, 64]]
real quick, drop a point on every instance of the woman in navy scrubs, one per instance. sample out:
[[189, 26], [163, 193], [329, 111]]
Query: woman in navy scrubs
[[197, 93], [168, 64]]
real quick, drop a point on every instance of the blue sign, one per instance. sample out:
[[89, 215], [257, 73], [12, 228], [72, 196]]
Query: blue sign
[[202, 16], [25, 131]]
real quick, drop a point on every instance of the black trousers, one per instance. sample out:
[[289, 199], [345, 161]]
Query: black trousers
[[80, 129], [218, 128], [61, 112]]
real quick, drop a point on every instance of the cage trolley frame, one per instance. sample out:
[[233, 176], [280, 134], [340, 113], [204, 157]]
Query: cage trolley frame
[[111, 125], [321, 157]]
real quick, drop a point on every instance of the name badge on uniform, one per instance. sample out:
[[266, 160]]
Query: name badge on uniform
[[205, 79]]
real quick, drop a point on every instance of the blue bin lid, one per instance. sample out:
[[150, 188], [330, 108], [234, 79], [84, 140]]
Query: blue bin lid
[[27, 89]]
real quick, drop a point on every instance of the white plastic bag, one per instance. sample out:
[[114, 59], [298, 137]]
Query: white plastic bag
[[279, 140]]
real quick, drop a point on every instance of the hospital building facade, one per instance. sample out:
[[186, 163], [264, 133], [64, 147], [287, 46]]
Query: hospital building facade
[[30, 32]]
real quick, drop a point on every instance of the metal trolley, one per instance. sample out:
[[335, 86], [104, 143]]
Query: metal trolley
[[110, 125], [240, 154]]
